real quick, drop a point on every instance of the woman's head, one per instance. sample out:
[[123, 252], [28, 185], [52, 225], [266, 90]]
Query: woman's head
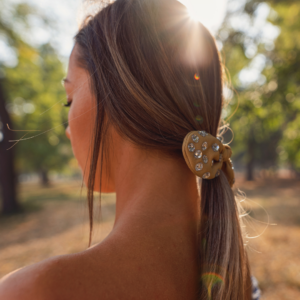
[[153, 76], [154, 73]]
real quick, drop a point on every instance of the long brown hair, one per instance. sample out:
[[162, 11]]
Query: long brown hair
[[157, 75]]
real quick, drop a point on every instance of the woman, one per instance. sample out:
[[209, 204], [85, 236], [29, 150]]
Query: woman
[[143, 80]]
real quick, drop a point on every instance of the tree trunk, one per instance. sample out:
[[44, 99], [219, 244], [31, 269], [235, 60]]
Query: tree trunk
[[7, 173], [250, 156], [44, 178]]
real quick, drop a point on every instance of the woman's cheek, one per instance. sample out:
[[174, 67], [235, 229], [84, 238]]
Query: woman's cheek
[[72, 132], [80, 126]]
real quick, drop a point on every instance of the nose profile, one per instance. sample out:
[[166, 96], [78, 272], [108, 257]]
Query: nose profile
[[68, 132]]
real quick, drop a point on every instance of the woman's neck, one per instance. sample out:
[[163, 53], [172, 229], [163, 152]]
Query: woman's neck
[[153, 190], [155, 232]]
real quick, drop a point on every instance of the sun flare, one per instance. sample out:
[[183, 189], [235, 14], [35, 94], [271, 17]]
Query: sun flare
[[194, 11], [209, 12]]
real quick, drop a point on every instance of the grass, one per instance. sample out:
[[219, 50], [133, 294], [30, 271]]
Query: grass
[[55, 222], [274, 222]]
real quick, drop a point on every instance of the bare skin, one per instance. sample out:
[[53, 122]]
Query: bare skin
[[151, 252]]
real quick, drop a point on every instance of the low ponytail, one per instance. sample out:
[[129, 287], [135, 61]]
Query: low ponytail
[[223, 264]]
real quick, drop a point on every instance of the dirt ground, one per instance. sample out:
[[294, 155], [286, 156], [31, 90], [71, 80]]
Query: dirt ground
[[55, 222]]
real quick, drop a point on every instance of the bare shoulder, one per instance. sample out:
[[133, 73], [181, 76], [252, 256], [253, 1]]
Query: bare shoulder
[[40, 281], [75, 276], [113, 270]]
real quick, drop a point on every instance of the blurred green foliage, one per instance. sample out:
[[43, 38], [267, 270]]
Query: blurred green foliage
[[263, 112], [266, 124], [34, 95]]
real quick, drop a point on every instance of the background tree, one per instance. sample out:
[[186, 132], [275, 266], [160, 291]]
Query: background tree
[[7, 166], [261, 51], [31, 99], [37, 105]]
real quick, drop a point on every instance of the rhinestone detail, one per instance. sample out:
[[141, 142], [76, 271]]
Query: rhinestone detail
[[218, 173], [195, 138], [204, 146], [191, 147], [221, 157], [203, 133], [206, 175], [198, 154], [199, 167], [212, 163], [205, 159], [215, 147]]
